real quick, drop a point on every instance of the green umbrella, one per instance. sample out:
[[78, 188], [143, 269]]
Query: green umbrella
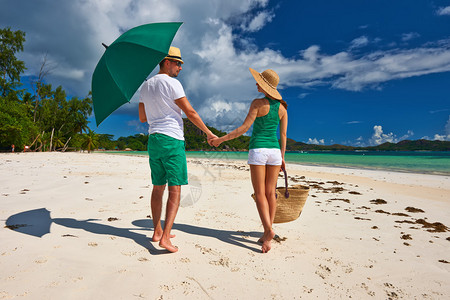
[[126, 63]]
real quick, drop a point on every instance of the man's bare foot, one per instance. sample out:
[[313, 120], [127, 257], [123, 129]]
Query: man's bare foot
[[168, 245], [267, 241], [157, 236]]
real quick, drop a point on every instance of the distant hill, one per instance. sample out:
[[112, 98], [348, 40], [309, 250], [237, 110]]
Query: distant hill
[[416, 145], [406, 145], [196, 140]]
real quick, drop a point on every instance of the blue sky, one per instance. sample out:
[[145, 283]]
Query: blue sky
[[353, 72]]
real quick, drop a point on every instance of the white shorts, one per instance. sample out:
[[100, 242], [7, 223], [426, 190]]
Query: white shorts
[[264, 156]]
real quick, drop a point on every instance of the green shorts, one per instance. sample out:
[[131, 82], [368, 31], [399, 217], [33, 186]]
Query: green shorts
[[167, 158]]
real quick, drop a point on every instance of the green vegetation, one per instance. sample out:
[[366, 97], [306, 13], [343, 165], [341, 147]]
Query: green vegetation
[[44, 120]]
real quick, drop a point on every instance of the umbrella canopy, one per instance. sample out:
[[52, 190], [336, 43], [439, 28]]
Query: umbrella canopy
[[126, 63], [34, 222]]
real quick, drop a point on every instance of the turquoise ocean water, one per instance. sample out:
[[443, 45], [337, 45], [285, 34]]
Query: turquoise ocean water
[[432, 162]]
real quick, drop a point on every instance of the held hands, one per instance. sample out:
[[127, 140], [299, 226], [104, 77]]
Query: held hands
[[213, 140], [216, 142], [211, 137]]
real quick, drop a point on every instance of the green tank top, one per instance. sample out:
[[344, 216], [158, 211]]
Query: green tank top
[[264, 133]]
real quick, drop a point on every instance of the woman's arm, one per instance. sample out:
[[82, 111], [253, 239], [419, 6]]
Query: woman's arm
[[283, 133], [251, 116], [283, 136]]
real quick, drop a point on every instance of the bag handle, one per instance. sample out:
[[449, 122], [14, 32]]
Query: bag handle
[[286, 192]]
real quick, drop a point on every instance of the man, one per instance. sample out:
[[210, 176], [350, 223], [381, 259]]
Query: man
[[162, 100]]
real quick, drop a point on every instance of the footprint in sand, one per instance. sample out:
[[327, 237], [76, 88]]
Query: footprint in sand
[[224, 262], [323, 272], [393, 294], [41, 261]]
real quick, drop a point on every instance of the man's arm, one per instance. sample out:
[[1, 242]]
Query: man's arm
[[193, 116], [142, 115]]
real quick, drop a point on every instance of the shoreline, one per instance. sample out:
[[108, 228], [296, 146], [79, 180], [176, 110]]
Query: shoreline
[[362, 233], [324, 165]]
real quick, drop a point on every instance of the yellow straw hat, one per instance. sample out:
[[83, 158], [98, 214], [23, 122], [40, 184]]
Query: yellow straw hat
[[174, 54], [268, 81]]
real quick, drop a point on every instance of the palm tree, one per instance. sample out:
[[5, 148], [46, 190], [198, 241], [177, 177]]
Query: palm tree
[[58, 140], [90, 141]]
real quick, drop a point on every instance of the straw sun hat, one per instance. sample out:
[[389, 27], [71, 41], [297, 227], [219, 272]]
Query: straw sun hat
[[174, 54], [268, 81]]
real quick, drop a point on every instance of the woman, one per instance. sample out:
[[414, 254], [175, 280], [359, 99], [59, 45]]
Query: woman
[[265, 155]]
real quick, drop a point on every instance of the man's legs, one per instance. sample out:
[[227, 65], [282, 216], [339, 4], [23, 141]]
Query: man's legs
[[168, 165], [171, 211], [156, 206]]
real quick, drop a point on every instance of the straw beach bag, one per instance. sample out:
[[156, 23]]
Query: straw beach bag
[[290, 201]]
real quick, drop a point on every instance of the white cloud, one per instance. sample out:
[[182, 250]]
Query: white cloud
[[442, 137], [343, 71], [444, 11], [303, 95], [438, 137], [258, 22], [447, 126], [225, 115], [409, 134], [359, 42], [315, 141], [409, 36], [379, 137], [438, 111], [447, 130]]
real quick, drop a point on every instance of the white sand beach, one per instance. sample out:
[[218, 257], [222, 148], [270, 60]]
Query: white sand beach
[[79, 228]]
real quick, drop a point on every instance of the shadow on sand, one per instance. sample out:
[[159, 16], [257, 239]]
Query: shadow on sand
[[37, 223], [236, 238]]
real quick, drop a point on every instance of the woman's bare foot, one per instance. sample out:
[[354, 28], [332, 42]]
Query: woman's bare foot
[[168, 245], [267, 241], [261, 239]]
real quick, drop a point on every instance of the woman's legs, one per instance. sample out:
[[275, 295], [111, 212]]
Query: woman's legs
[[264, 180], [271, 184]]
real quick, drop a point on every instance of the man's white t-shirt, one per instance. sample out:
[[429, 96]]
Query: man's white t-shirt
[[158, 95]]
